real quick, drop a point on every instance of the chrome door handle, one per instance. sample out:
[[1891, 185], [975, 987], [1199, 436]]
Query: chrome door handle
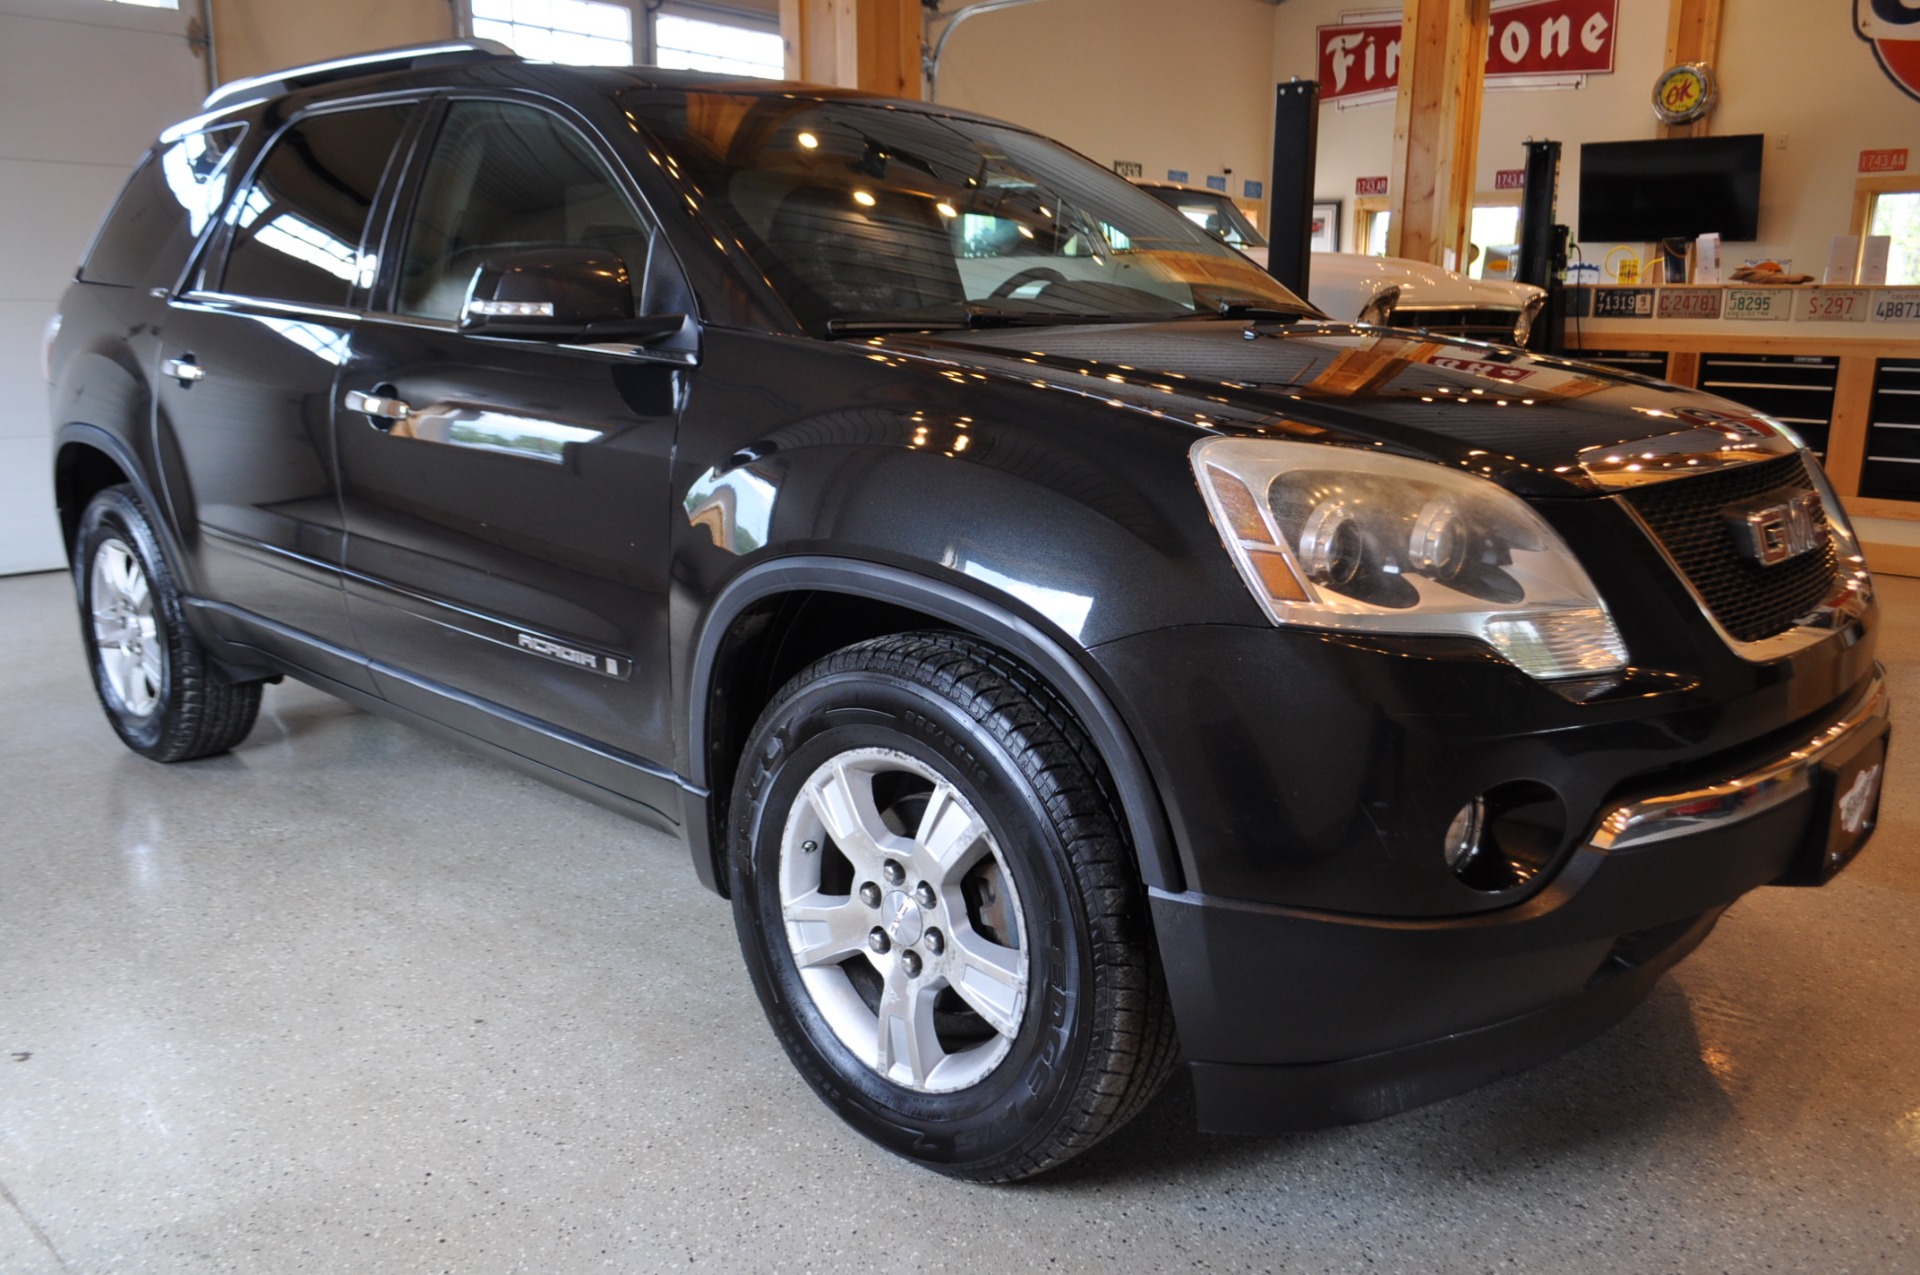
[[384, 412], [184, 370]]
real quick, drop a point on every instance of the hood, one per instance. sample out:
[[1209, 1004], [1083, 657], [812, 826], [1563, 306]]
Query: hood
[[1538, 425], [1422, 286]]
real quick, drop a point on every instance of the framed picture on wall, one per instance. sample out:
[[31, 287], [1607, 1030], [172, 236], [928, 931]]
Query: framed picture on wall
[[1326, 226]]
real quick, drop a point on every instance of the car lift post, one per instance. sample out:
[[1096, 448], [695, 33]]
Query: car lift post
[[1296, 138]]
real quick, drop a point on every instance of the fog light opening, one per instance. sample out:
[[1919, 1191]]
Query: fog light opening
[[1507, 836], [1463, 834]]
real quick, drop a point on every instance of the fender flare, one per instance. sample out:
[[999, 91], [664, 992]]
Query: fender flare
[[116, 450], [1139, 797]]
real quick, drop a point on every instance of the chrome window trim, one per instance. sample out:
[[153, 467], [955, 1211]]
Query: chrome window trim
[[224, 301], [1656, 819]]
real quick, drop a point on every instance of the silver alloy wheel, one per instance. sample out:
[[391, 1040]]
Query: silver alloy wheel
[[127, 638], [930, 997]]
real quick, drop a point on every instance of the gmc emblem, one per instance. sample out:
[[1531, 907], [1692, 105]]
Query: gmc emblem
[[1772, 530]]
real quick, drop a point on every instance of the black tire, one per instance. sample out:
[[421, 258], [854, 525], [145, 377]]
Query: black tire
[[164, 696], [1036, 1022]]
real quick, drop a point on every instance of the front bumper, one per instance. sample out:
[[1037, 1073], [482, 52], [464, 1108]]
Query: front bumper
[[1294, 1018]]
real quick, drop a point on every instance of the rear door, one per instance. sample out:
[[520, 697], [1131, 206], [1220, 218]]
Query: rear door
[[247, 362], [506, 546]]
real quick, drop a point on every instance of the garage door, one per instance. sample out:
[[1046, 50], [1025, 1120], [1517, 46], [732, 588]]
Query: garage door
[[84, 86]]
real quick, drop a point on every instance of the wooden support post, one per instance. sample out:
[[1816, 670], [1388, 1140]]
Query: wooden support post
[[854, 44], [1847, 428], [1693, 35], [1436, 128]]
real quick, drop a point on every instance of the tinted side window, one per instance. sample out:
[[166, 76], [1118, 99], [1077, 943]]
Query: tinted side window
[[299, 227], [506, 178], [167, 203]]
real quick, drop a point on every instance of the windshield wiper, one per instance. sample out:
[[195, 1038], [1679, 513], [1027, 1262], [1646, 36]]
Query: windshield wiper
[[979, 317], [1258, 311], [881, 327]]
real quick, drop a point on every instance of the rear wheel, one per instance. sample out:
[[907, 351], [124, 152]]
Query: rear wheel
[[939, 911], [163, 695]]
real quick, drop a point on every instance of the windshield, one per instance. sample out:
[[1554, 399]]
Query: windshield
[[1213, 213], [865, 216]]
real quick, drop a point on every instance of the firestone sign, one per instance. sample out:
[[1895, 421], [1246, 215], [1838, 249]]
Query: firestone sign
[[1524, 41]]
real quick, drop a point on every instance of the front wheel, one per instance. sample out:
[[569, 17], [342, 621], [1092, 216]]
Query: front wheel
[[165, 698], [939, 911]]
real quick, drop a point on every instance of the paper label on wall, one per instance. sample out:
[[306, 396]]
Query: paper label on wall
[[1831, 305], [1706, 259], [1897, 305], [1690, 303], [1842, 252], [1759, 303], [1873, 261], [1623, 303]]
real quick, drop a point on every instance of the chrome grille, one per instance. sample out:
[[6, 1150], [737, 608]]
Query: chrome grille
[[1750, 601], [1482, 324]]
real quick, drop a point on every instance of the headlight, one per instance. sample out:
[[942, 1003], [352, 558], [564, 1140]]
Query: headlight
[[1336, 538], [1529, 313], [1379, 308]]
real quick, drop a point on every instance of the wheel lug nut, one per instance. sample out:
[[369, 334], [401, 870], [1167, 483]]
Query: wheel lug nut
[[936, 942], [893, 872], [923, 895], [870, 895], [910, 961], [877, 940]]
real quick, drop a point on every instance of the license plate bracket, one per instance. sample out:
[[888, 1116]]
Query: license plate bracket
[[1846, 809]]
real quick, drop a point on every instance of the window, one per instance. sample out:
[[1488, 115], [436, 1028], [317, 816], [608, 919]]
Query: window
[[580, 32], [1493, 226], [1896, 214], [298, 230], [1376, 218], [167, 203], [509, 178], [695, 44]]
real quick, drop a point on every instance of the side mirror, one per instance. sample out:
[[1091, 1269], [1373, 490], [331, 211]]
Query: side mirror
[[560, 294]]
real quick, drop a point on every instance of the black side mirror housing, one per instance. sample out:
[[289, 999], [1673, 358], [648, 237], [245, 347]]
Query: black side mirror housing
[[560, 294]]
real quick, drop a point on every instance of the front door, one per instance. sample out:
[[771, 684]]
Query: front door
[[506, 548]]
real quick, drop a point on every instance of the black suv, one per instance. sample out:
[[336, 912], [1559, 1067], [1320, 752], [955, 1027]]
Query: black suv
[[1049, 631]]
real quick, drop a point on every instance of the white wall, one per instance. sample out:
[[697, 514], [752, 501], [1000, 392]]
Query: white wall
[[1358, 141], [1790, 69], [84, 86], [1182, 86]]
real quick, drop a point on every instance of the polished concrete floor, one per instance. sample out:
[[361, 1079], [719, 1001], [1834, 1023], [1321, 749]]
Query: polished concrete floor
[[352, 1000]]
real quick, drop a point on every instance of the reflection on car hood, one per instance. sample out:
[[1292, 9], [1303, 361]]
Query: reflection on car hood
[[1529, 422]]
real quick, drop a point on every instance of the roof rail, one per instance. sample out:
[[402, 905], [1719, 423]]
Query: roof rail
[[404, 58]]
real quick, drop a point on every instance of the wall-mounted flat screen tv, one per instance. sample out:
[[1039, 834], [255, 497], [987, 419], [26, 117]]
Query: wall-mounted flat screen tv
[[1670, 188]]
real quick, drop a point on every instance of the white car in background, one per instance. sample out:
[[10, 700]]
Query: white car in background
[[1383, 290]]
